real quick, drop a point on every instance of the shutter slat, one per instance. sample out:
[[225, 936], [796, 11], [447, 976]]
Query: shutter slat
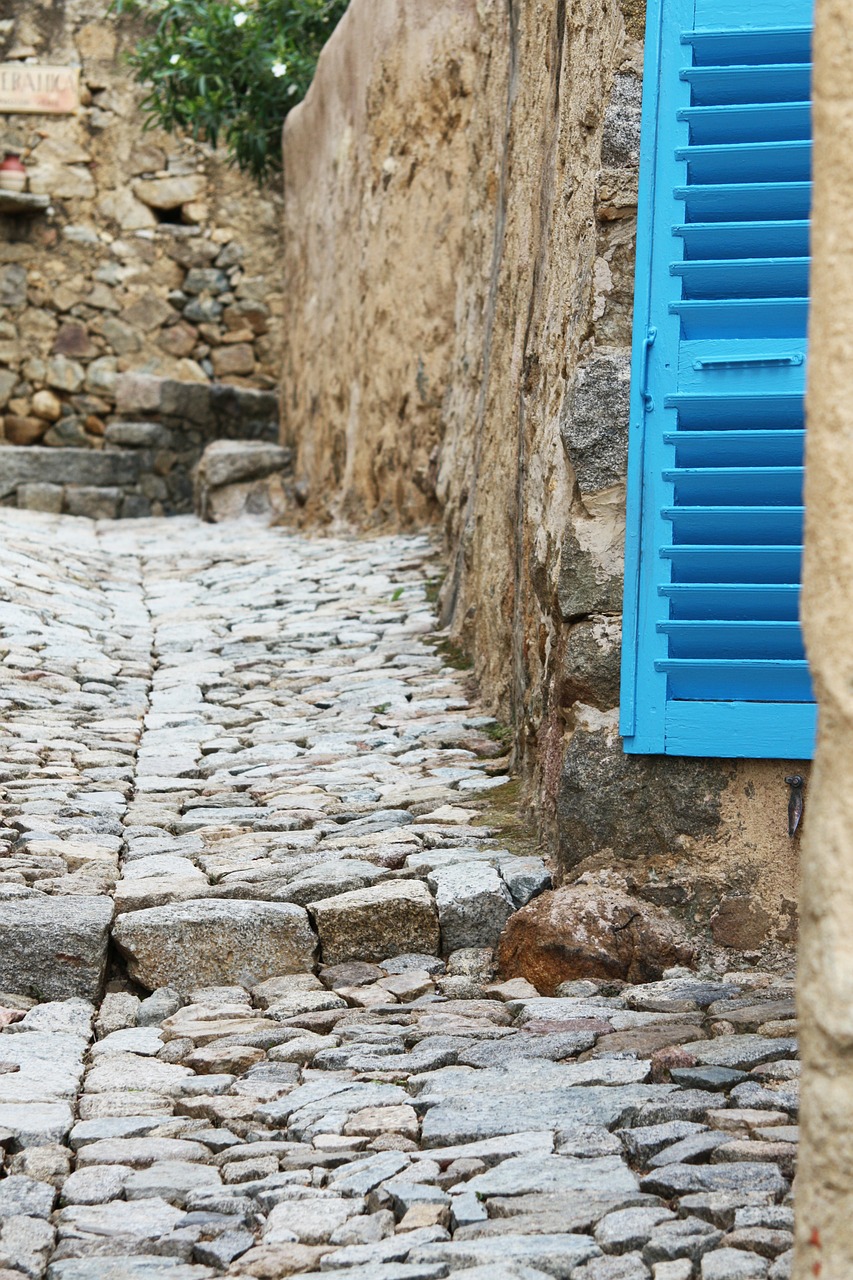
[[736, 524], [723, 486], [751, 122], [713, 86], [742, 317], [790, 44], [745, 278], [760, 239], [734, 638], [768, 564], [748, 601], [746, 448], [728, 679], [788, 161], [732, 201], [705, 410]]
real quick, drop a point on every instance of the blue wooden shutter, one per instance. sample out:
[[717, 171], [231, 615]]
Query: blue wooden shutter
[[713, 661]]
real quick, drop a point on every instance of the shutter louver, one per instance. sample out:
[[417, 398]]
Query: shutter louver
[[714, 654]]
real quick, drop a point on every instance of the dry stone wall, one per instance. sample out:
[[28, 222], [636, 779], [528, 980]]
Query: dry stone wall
[[460, 211], [151, 257]]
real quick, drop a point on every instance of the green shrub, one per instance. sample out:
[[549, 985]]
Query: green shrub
[[227, 72]]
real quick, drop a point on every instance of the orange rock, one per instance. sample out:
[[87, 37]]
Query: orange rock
[[589, 932], [23, 430]]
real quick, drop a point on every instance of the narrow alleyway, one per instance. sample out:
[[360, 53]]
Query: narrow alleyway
[[248, 904]]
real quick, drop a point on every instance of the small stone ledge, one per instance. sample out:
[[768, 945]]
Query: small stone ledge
[[39, 464], [99, 484], [149, 453]]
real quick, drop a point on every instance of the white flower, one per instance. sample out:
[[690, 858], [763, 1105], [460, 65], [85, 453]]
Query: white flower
[[279, 69], [175, 59], [240, 18]]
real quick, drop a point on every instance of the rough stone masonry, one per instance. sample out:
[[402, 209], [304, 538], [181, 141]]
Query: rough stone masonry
[[250, 1022]]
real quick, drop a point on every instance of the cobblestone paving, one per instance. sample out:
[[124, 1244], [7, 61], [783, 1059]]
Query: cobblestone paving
[[250, 1020]]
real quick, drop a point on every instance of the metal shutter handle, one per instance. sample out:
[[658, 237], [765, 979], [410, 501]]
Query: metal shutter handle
[[748, 362], [648, 343]]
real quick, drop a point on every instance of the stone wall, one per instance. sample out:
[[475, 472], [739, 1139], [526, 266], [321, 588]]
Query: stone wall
[[152, 255], [149, 451], [460, 204]]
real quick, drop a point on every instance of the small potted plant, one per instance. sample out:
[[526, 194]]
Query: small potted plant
[[13, 175]]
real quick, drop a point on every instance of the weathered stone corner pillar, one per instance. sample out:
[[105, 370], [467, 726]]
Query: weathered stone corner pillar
[[825, 1182]]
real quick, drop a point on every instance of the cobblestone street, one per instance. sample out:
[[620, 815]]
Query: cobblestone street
[[251, 1023]]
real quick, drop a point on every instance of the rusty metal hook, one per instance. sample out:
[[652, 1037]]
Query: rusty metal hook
[[795, 802]]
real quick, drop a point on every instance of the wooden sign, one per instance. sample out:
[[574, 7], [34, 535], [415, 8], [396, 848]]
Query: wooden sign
[[27, 88]]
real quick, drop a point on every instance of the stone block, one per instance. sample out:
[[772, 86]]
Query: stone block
[[169, 193], [372, 924], [137, 393], [179, 339], [525, 878], [134, 506], [101, 377], [229, 461], [632, 806], [8, 382], [40, 464], [740, 922], [237, 359], [211, 942], [68, 433], [594, 422], [41, 497], [54, 948], [149, 312], [123, 208], [554, 1255], [122, 337], [64, 374], [138, 435], [592, 557], [620, 139], [186, 401], [591, 663], [73, 340], [473, 905], [13, 285], [205, 280], [97, 503], [47, 405]]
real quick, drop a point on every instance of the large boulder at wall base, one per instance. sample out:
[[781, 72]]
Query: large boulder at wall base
[[583, 931]]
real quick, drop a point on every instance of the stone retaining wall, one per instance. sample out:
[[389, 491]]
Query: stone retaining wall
[[144, 462]]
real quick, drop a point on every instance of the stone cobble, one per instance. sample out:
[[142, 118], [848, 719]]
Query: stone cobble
[[250, 1023]]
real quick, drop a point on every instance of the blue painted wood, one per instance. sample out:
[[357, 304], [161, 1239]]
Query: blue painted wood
[[745, 601], [729, 201], [725, 240], [747, 448], [747, 563], [742, 729], [765, 122], [713, 658], [713, 86], [742, 317]]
